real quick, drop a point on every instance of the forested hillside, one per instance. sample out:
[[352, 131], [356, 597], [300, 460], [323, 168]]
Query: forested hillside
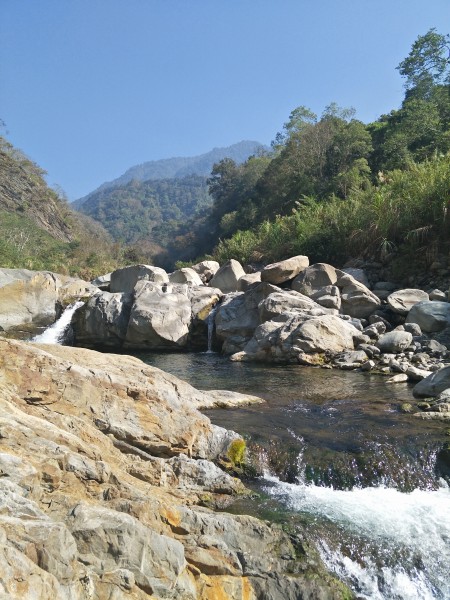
[[38, 230], [334, 187]]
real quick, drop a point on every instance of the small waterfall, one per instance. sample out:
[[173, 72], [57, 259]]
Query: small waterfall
[[387, 545], [55, 333], [211, 322]]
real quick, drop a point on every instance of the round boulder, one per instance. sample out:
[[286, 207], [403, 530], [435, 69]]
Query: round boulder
[[402, 301], [431, 316]]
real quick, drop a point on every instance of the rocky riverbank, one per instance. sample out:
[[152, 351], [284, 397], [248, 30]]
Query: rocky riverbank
[[109, 481]]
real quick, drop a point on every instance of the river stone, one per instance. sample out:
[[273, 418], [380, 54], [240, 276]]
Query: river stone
[[399, 378], [238, 316], [125, 279], [352, 359], [108, 540], [158, 320], [394, 341], [103, 320], [432, 316], [102, 282], [27, 296], [206, 269], [438, 295], [286, 340], [328, 297], [402, 301], [185, 275], [415, 374], [284, 270], [249, 280], [434, 384], [356, 299], [358, 274], [227, 277], [287, 301]]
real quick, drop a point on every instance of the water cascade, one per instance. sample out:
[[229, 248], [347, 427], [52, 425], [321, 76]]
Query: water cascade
[[211, 322], [55, 333], [387, 545]]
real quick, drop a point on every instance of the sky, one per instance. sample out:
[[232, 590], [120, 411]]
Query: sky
[[89, 88]]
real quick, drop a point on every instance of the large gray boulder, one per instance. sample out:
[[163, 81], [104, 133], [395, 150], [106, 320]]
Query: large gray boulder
[[103, 320], [227, 277], [284, 270], [185, 275], [125, 279], [206, 269], [32, 296], [431, 316], [356, 299], [238, 316], [394, 341], [158, 320], [288, 301], [284, 340], [434, 384], [402, 301]]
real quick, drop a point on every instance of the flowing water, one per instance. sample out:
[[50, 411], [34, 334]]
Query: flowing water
[[338, 456], [55, 333]]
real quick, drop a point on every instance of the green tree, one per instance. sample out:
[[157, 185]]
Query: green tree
[[428, 63]]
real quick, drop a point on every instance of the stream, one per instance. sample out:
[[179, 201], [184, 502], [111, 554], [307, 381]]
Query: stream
[[339, 458]]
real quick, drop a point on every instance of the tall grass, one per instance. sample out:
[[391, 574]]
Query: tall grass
[[406, 211]]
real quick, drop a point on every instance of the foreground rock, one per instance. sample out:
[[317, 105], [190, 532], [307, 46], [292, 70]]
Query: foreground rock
[[105, 465]]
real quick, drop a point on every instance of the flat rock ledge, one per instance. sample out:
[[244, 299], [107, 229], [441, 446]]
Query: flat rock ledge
[[108, 490]]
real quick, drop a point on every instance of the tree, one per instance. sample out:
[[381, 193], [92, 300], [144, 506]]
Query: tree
[[428, 63]]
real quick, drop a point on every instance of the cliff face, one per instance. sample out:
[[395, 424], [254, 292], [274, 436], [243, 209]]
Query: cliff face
[[106, 476], [24, 191]]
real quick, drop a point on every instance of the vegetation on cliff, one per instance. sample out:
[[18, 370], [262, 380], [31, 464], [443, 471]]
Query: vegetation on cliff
[[39, 231]]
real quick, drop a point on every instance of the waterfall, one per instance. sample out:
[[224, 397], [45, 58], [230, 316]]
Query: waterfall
[[211, 321], [387, 545], [55, 333]]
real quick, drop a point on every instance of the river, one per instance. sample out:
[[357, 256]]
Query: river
[[338, 458]]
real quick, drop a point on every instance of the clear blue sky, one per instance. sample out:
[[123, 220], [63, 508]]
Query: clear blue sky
[[92, 87]]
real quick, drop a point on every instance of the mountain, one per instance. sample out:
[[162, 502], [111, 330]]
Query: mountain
[[179, 167], [38, 229]]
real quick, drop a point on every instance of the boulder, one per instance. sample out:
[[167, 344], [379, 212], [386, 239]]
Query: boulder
[[434, 384], [287, 301], [247, 281], [26, 296], [158, 320], [328, 297], [125, 279], [402, 301], [394, 341], [297, 334], [358, 274], [227, 277], [206, 269], [238, 316], [356, 299], [438, 295], [103, 320], [284, 270], [314, 278], [431, 316], [102, 282], [185, 275]]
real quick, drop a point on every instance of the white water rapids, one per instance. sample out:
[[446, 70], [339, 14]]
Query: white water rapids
[[388, 545], [55, 333]]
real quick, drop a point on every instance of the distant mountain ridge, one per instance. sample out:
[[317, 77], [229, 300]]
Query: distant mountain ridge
[[179, 167]]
